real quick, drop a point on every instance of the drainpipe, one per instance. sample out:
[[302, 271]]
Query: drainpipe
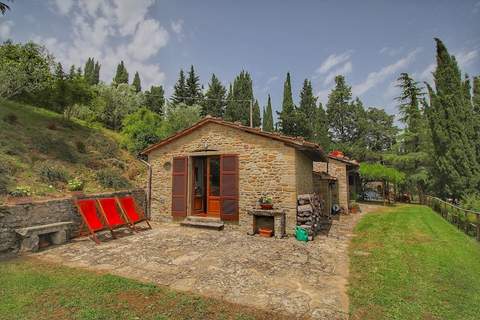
[[149, 187]]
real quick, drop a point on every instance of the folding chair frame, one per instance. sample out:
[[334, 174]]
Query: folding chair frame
[[139, 211], [85, 225], [102, 211]]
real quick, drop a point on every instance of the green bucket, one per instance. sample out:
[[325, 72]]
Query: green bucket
[[301, 234]]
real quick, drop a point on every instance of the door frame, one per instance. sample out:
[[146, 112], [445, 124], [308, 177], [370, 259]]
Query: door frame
[[206, 162]]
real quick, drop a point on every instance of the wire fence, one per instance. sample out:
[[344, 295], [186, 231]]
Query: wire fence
[[464, 219]]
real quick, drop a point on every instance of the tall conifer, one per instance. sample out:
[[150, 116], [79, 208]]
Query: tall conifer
[[268, 116], [193, 89], [121, 76], [136, 82], [238, 106], [287, 117], [456, 166], [214, 102], [180, 90]]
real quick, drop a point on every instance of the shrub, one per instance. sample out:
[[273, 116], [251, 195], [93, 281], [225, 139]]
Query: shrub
[[21, 191], [4, 183], [51, 172], [107, 147], [75, 184], [471, 202], [80, 147], [112, 178], [56, 147], [10, 118]]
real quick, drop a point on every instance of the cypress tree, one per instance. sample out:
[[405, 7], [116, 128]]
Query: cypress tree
[[456, 167], [257, 121], [88, 71], [179, 90], [215, 102], [308, 108], [268, 116], [136, 83], [155, 99], [71, 74], [96, 73], [476, 95], [194, 93], [287, 115], [121, 76], [240, 95], [320, 128]]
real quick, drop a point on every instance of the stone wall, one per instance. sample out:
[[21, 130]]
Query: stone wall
[[45, 212], [304, 173], [265, 166], [337, 169]]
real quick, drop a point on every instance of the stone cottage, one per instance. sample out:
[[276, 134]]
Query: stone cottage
[[345, 172], [218, 170]]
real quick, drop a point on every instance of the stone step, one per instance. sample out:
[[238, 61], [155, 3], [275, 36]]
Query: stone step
[[206, 223], [203, 219]]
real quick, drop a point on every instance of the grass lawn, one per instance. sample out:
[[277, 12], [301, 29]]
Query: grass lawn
[[30, 289], [408, 263]]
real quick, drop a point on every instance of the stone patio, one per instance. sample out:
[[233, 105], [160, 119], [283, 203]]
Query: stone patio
[[307, 280]]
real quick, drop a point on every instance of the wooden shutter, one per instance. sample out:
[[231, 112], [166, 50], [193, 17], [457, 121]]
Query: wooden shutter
[[229, 187], [179, 186]]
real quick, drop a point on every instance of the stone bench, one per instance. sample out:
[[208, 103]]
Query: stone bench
[[30, 235]]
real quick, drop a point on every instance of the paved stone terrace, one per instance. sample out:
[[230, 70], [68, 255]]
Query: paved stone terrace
[[307, 280]]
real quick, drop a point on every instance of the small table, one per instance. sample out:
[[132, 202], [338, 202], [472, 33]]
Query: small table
[[279, 221], [30, 235]]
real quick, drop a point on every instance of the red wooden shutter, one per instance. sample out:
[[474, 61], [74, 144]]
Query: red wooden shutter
[[229, 187], [179, 186]]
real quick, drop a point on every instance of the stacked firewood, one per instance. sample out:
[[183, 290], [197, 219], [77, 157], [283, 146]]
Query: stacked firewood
[[310, 213]]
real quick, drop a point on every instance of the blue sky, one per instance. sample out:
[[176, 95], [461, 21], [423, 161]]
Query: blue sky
[[370, 42]]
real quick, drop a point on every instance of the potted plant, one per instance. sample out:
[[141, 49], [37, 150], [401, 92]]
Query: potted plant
[[266, 202], [354, 207], [75, 186]]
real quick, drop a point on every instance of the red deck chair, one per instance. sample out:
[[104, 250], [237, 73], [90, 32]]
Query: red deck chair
[[113, 217], [132, 211], [88, 210]]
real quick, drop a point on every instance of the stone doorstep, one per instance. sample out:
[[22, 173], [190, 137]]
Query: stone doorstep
[[203, 222], [31, 239]]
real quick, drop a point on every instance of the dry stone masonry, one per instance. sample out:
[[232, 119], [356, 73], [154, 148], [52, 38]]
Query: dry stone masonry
[[310, 213]]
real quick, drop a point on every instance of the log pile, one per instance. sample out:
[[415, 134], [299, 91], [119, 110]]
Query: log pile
[[310, 213]]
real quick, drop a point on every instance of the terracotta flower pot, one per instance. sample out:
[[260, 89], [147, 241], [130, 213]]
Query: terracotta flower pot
[[266, 206], [265, 232]]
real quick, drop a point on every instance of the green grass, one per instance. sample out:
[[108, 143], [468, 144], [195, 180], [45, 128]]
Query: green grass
[[409, 263], [35, 290], [32, 137]]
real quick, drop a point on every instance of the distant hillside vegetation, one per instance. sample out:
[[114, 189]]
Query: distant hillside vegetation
[[42, 154]]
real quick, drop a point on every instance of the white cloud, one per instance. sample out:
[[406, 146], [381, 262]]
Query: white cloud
[[5, 29], [63, 6], [333, 60], [111, 31], [426, 74], [130, 13], [272, 79], [377, 77], [343, 70], [177, 26], [150, 37], [391, 51], [464, 58]]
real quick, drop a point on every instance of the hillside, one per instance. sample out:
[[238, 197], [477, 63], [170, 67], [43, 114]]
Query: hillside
[[40, 153]]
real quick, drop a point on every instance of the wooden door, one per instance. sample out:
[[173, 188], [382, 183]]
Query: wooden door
[[229, 187], [199, 185], [213, 186], [179, 186]]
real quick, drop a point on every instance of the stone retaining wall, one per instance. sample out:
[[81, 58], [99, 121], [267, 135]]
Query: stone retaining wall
[[45, 212]]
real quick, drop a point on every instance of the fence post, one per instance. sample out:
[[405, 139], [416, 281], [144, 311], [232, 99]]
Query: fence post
[[478, 227]]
